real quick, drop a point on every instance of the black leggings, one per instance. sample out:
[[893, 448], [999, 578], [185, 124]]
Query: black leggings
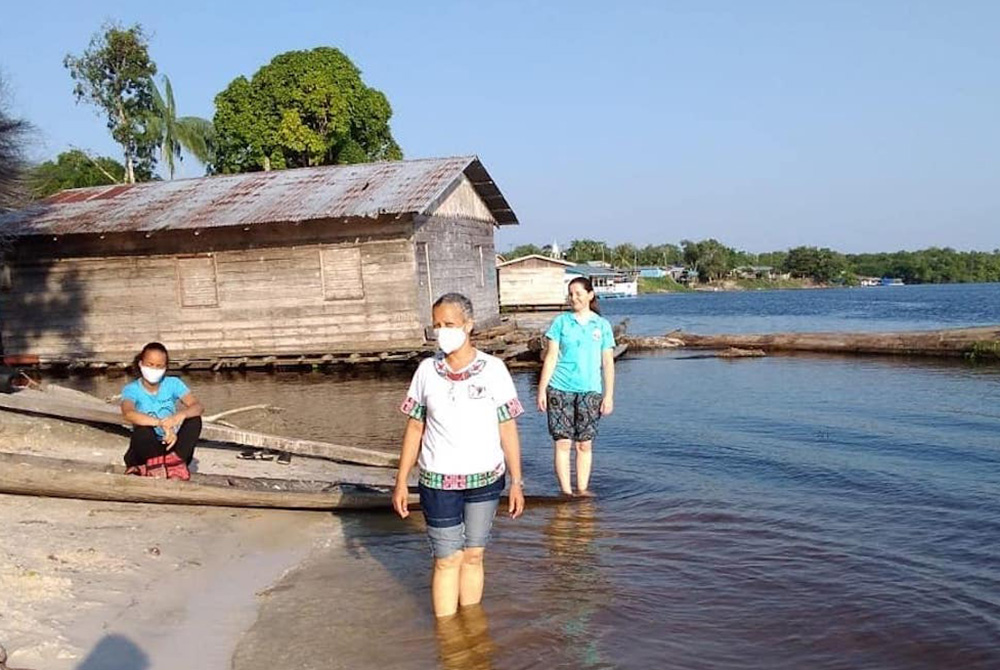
[[145, 443]]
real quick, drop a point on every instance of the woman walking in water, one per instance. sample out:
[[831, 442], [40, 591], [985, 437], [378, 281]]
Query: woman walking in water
[[461, 407], [579, 356]]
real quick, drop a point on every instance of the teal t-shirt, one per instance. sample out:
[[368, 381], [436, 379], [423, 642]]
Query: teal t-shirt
[[578, 369], [161, 404]]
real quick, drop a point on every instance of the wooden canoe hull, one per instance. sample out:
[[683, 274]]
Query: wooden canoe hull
[[60, 478], [61, 406]]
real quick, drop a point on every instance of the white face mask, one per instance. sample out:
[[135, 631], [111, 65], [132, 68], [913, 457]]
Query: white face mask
[[152, 375], [450, 339]]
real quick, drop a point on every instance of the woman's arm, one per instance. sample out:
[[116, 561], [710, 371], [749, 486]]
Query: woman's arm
[[407, 459], [608, 368], [548, 367], [511, 444], [137, 418], [190, 408]]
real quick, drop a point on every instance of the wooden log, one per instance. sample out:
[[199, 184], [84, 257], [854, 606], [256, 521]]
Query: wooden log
[[38, 402], [60, 478], [950, 342]]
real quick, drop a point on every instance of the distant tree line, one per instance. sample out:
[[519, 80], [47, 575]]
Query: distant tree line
[[713, 260]]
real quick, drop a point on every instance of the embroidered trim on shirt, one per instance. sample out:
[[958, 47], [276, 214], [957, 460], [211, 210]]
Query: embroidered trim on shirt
[[413, 409], [473, 369], [434, 480], [509, 410]]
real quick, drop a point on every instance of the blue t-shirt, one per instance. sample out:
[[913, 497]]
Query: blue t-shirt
[[578, 369], [161, 404]]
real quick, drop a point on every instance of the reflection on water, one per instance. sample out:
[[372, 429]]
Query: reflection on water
[[464, 640]]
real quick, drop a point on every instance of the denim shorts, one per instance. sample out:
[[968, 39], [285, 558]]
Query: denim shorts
[[460, 519], [573, 416]]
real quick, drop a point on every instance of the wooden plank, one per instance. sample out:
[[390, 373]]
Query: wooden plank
[[37, 402]]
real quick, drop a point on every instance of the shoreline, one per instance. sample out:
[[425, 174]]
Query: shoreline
[[89, 584]]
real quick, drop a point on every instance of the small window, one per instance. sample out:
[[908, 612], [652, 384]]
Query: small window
[[197, 282], [340, 268], [6, 280]]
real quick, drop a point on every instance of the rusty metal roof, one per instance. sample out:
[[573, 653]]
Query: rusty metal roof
[[281, 196]]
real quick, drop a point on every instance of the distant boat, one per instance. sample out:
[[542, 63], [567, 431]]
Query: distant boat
[[892, 281], [608, 282]]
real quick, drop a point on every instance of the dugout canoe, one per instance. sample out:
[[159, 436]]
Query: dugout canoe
[[69, 404], [62, 478]]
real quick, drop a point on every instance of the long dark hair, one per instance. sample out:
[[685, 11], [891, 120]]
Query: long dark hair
[[152, 346], [589, 288]]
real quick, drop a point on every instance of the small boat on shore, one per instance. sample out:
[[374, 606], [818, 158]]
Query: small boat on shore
[[24, 474]]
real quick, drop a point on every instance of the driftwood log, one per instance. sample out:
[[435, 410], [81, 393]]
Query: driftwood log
[[982, 341]]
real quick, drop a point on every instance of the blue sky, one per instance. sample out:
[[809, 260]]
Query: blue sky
[[861, 125]]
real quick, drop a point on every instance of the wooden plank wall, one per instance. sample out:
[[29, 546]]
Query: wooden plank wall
[[294, 299], [461, 258], [532, 284]]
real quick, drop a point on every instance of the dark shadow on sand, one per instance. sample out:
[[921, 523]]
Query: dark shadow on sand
[[115, 652]]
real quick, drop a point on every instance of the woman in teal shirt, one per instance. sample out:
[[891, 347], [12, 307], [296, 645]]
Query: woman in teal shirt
[[578, 358]]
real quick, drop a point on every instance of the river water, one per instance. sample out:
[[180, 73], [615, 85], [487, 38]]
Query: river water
[[785, 512]]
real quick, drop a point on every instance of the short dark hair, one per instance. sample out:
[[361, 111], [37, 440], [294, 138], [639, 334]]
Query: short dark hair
[[457, 299]]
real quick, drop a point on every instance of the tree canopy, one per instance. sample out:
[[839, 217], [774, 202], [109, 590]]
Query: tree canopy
[[304, 108], [75, 169], [115, 75]]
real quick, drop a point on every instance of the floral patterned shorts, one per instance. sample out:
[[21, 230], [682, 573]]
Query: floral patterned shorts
[[573, 416]]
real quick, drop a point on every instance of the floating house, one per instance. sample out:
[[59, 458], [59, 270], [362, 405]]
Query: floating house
[[532, 282], [608, 282], [323, 261]]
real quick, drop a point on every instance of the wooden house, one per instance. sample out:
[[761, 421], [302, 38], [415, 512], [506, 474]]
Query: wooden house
[[327, 260], [532, 282]]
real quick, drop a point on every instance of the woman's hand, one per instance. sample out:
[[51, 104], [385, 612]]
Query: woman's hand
[[515, 497], [607, 405], [172, 422], [169, 438], [400, 500], [543, 401]]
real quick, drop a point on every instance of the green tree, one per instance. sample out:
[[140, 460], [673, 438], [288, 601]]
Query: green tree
[[190, 132], [625, 255], [524, 250], [115, 75], [711, 258], [303, 108], [74, 169], [581, 251]]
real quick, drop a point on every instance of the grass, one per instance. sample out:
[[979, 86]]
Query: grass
[[986, 350]]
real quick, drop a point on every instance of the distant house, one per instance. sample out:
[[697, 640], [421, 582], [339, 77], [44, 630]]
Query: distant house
[[754, 272], [316, 260], [652, 272], [532, 282], [608, 282]]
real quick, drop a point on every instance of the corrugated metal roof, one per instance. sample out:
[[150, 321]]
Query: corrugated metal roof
[[280, 196]]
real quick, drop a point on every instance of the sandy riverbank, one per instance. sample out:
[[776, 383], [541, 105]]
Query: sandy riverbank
[[87, 585]]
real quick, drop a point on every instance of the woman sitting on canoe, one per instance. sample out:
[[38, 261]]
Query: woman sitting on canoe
[[165, 415], [461, 407]]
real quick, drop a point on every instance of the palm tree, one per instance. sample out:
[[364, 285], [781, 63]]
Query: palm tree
[[190, 132]]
